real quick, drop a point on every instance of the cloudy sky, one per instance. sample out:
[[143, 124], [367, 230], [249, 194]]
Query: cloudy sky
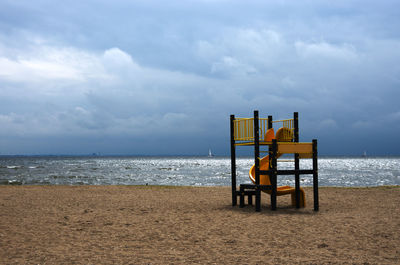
[[162, 77]]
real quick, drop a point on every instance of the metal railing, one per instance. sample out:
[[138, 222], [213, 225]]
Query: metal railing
[[244, 128], [286, 134]]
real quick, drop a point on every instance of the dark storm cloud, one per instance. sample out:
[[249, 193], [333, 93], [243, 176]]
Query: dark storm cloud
[[162, 77]]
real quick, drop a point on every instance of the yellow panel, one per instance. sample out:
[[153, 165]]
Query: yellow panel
[[291, 148], [306, 155], [244, 144]]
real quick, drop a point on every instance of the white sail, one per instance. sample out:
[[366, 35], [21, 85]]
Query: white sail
[[209, 153]]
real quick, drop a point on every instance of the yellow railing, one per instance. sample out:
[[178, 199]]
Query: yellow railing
[[287, 134], [244, 128]]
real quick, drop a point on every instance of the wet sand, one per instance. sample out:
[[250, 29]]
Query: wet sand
[[180, 225]]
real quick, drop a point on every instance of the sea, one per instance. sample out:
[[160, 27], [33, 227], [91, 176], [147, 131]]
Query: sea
[[187, 171]]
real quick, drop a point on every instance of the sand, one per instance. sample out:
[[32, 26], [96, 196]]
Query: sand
[[165, 225]]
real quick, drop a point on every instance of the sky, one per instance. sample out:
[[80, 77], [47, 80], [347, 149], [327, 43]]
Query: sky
[[163, 77]]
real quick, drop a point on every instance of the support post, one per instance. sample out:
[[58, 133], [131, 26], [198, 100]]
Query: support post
[[241, 201], [250, 199], [315, 174], [296, 127], [296, 159], [297, 179], [257, 160], [269, 122], [233, 161], [273, 176]]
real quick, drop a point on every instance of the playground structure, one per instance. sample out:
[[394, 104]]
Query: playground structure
[[259, 132]]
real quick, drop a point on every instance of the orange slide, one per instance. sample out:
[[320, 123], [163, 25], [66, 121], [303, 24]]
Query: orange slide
[[264, 165]]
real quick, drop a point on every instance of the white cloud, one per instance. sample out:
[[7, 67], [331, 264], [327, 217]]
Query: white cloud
[[110, 92], [207, 50], [47, 64], [115, 59], [231, 66], [243, 51], [325, 50], [94, 93]]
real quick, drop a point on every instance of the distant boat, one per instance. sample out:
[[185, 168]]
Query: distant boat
[[210, 154], [364, 154]]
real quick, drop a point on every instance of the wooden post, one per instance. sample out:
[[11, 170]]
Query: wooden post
[[273, 177], [241, 200], [296, 160], [233, 161], [250, 199], [297, 179], [257, 160], [315, 174], [269, 122], [296, 127]]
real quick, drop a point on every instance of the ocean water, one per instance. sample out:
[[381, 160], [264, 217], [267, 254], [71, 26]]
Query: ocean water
[[192, 171]]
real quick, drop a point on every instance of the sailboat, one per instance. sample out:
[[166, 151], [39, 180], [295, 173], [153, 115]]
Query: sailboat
[[209, 153], [365, 154]]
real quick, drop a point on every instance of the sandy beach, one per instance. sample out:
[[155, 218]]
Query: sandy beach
[[165, 225]]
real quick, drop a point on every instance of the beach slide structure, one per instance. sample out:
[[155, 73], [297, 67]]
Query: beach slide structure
[[282, 135], [259, 133]]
